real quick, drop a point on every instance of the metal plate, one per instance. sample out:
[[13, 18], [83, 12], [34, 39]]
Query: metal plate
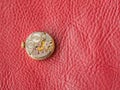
[[39, 45]]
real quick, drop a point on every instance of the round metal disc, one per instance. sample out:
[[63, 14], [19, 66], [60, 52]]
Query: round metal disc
[[39, 45]]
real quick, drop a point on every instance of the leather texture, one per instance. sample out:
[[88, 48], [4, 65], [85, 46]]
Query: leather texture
[[87, 37]]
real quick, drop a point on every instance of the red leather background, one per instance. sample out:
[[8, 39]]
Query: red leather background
[[87, 37]]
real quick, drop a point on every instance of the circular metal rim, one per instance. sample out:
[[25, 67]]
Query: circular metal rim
[[45, 57]]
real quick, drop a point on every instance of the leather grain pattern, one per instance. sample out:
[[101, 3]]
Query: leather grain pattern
[[87, 37]]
